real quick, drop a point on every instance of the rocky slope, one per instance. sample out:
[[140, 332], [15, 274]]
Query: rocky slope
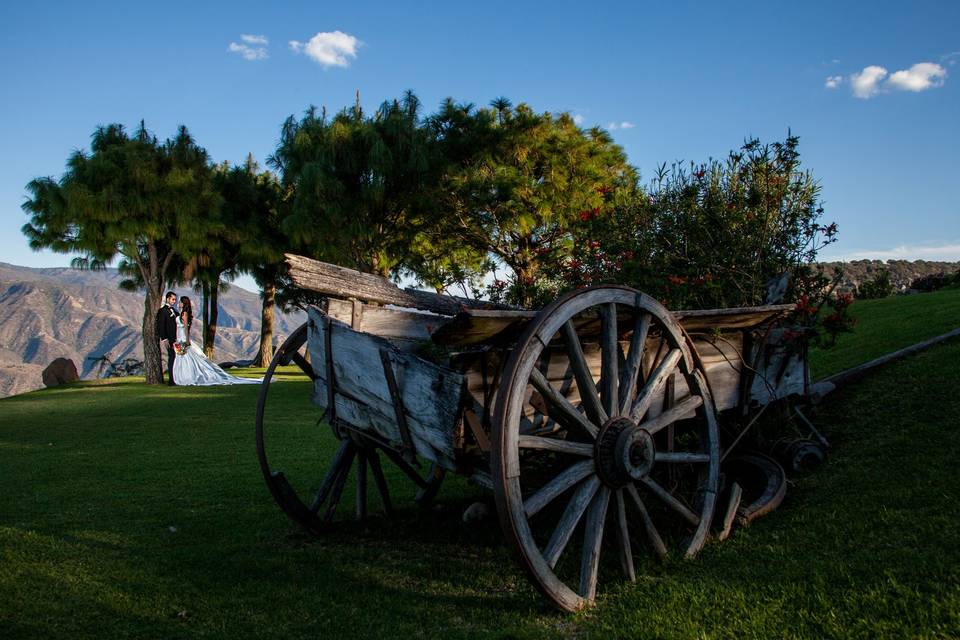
[[62, 312], [902, 272]]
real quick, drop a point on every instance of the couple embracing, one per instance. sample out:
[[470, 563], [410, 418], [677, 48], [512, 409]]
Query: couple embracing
[[186, 363]]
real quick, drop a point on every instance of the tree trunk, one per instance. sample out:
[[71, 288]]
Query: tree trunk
[[152, 358], [210, 322], [266, 325]]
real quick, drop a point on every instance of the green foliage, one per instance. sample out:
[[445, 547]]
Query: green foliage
[[708, 235], [936, 281], [133, 198], [879, 286], [516, 182], [356, 186]]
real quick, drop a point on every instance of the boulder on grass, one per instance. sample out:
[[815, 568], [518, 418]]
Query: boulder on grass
[[60, 371]]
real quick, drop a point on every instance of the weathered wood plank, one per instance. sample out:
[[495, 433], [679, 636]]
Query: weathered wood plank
[[431, 394], [341, 282]]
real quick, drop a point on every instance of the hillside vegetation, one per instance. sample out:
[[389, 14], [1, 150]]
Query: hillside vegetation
[[129, 510]]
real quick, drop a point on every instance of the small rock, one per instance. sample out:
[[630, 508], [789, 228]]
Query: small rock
[[60, 371], [183, 615], [172, 529], [477, 512]]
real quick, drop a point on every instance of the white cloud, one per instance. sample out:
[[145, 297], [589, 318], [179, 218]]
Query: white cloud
[[613, 126], [578, 119], [248, 52], [875, 79], [919, 77], [329, 48], [866, 84], [250, 47], [946, 252]]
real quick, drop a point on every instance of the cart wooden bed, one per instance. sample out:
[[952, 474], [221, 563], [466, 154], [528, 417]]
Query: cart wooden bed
[[594, 421]]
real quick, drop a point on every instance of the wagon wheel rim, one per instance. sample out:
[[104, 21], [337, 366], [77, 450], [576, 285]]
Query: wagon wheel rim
[[355, 452], [610, 481]]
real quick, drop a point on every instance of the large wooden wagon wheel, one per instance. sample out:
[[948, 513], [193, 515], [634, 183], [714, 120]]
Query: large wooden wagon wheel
[[355, 451], [623, 468]]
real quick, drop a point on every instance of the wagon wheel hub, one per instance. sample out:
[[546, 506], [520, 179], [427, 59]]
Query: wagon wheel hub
[[623, 452]]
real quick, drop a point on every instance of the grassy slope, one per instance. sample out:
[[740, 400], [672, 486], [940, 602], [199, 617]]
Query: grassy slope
[[889, 324], [122, 505]]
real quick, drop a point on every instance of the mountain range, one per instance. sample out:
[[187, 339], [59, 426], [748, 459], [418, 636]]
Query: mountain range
[[82, 315]]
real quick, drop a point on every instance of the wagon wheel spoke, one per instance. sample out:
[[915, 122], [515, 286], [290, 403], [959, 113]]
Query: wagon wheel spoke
[[569, 520], [671, 501], [303, 364], [361, 484], [623, 539], [633, 368], [589, 397], [609, 363], [592, 542], [339, 484], [651, 530], [665, 419], [653, 386], [332, 474], [564, 412], [373, 458], [560, 483], [554, 490], [554, 444]]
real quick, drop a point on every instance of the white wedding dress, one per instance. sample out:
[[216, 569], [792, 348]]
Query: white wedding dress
[[194, 369]]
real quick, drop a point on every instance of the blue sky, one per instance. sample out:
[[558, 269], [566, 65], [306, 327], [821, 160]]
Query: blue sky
[[690, 80]]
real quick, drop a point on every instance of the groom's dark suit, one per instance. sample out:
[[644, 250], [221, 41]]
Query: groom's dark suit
[[167, 330]]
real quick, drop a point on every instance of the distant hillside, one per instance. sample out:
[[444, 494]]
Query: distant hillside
[[62, 312], [902, 272]]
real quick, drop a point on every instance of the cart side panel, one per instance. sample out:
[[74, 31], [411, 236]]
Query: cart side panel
[[781, 367], [430, 394]]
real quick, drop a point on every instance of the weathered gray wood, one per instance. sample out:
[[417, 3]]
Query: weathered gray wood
[[654, 385], [736, 495], [554, 444], [386, 322], [340, 282], [560, 483], [581, 371], [568, 521], [332, 473], [670, 501], [632, 367], [474, 327], [563, 412], [592, 542], [609, 380], [651, 530], [377, 472], [682, 410], [361, 484], [623, 539], [338, 484], [408, 451], [476, 428], [431, 394]]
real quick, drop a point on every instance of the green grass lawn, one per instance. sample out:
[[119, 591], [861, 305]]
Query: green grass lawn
[[886, 325], [136, 511]]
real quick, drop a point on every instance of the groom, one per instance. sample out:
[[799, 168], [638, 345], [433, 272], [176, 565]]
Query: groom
[[167, 331]]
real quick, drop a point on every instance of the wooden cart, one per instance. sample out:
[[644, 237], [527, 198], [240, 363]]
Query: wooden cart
[[595, 421]]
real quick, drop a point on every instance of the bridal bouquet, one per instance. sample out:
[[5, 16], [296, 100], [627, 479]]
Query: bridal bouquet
[[180, 348]]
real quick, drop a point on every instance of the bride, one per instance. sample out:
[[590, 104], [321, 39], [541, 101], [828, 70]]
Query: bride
[[191, 367]]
